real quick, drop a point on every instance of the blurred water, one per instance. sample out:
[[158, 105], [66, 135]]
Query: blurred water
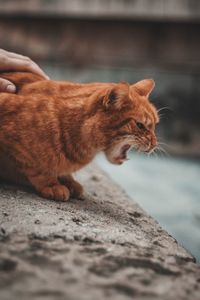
[[168, 189]]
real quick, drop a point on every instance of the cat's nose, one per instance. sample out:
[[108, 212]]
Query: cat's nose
[[154, 143]]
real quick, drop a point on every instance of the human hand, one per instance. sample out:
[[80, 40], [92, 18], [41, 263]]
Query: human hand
[[10, 61]]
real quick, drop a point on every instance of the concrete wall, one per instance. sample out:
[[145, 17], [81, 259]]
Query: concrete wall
[[89, 40], [105, 247], [104, 43], [143, 9]]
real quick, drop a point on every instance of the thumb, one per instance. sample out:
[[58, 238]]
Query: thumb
[[7, 86]]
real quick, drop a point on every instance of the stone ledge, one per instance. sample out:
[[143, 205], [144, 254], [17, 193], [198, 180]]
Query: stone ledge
[[105, 247]]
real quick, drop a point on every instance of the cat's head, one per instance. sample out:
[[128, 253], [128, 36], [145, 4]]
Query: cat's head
[[129, 120]]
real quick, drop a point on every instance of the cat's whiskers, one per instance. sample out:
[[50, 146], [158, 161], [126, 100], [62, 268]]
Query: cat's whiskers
[[163, 115], [153, 153], [162, 150], [164, 108], [140, 142], [163, 144]]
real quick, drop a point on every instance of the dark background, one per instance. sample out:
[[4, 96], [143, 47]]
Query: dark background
[[118, 40]]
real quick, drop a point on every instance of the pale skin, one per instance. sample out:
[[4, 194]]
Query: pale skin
[[10, 61]]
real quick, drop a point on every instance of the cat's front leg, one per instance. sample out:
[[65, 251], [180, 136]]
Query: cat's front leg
[[76, 189], [49, 187]]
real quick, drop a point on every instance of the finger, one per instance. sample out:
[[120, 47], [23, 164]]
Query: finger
[[17, 56], [7, 86], [16, 64], [14, 55], [30, 65], [36, 69], [22, 63]]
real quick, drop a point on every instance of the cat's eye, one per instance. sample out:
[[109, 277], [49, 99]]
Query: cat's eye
[[140, 125]]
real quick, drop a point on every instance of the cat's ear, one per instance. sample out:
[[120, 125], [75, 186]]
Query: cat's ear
[[144, 87], [116, 96]]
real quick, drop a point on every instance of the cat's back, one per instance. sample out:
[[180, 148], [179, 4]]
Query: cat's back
[[24, 114], [14, 103], [32, 93], [30, 84]]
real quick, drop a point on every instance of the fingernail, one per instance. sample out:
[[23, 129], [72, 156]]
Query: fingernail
[[10, 88]]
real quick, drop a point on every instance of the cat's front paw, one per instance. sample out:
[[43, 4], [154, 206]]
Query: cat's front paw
[[57, 192], [76, 190]]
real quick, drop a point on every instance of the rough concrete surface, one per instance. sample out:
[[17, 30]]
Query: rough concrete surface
[[105, 247]]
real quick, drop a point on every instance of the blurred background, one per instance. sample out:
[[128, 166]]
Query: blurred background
[[129, 40]]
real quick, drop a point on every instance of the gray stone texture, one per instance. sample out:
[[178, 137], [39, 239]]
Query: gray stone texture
[[105, 247]]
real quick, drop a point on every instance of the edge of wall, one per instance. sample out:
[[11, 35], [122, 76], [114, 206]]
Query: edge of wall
[[105, 247]]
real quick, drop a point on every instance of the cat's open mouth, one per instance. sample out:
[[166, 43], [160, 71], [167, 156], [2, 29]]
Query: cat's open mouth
[[123, 153]]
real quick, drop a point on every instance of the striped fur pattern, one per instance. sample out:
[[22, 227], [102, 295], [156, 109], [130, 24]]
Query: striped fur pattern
[[50, 129]]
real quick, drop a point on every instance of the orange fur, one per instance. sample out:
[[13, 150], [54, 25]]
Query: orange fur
[[50, 129]]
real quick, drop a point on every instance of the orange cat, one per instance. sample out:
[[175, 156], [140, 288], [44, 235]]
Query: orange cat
[[50, 129]]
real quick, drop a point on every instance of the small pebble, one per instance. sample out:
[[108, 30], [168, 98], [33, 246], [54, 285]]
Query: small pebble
[[95, 178], [3, 230], [37, 222]]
